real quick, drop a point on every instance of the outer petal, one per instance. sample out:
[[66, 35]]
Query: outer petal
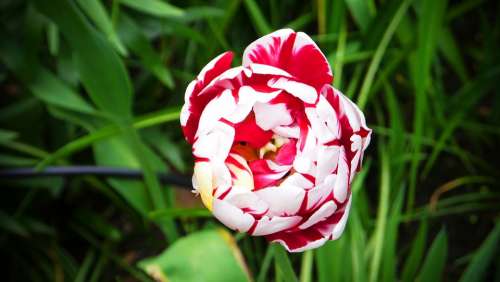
[[193, 105], [296, 53]]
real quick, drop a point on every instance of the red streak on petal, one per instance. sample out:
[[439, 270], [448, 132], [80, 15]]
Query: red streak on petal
[[224, 194], [248, 131]]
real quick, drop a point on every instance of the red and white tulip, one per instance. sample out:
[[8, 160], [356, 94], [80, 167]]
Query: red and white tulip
[[276, 147]]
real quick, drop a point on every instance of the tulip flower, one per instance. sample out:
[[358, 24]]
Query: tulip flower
[[275, 146]]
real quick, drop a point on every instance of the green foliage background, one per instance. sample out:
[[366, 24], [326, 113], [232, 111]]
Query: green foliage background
[[100, 82]]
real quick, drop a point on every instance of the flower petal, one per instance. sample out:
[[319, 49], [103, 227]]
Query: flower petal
[[296, 53]]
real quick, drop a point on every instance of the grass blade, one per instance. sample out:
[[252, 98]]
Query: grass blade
[[435, 260], [283, 264], [379, 53], [260, 24], [483, 257]]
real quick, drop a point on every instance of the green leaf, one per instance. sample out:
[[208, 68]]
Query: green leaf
[[96, 11], [210, 255], [379, 53], [435, 260], [451, 52], [102, 72], [137, 41], [383, 209], [85, 268], [306, 270], [108, 131], [154, 7], [41, 82], [362, 12], [283, 263], [416, 253], [266, 263], [431, 18], [389, 262], [259, 21], [483, 257]]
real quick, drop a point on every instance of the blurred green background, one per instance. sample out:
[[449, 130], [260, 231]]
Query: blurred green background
[[100, 82]]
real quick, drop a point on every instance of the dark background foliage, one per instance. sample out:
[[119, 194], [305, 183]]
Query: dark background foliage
[[100, 83]]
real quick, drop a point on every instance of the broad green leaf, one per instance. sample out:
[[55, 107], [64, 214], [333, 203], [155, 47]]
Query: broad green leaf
[[115, 152], [209, 255], [432, 269], [154, 7], [102, 72], [483, 257], [41, 82]]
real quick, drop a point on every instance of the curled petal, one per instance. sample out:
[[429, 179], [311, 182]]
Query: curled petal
[[294, 52]]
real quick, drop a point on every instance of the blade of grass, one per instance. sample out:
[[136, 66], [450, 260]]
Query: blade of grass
[[154, 8], [85, 267], [306, 271], [259, 21], [283, 263], [106, 132], [266, 263], [389, 264], [483, 257], [432, 269], [379, 53], [416, 253], [136, 40], [96, 11], [430, 21], [469, 95], [383, 208], [362, 12]]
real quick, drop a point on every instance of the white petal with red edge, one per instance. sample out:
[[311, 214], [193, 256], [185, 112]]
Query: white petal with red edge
[[216, 144], [269, 70], [214, 110], [265, 44], [318, 126], [224, 58], [321, 214], [282, 200], [244, 199], [327, 160], [269, 116], [319, 193], [299, 180], [327, 114], [232, 216], [269, 225], [342, 182], [298, 89], [287, 131], [185, 108], [339, 227]]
